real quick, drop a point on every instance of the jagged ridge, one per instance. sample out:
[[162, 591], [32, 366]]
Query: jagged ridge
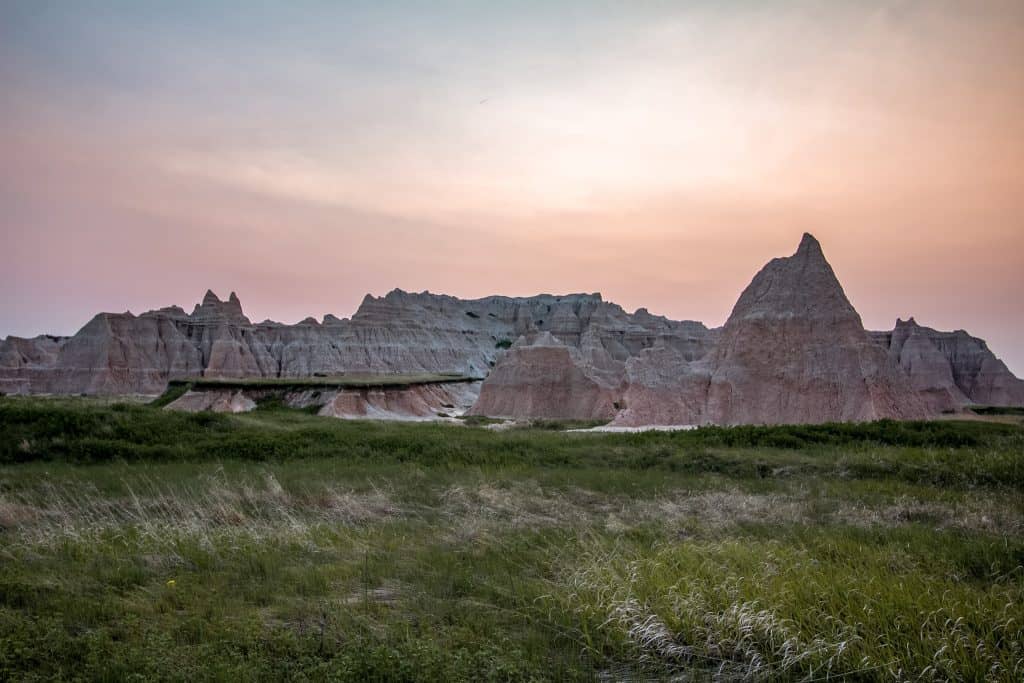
[[793, 350]]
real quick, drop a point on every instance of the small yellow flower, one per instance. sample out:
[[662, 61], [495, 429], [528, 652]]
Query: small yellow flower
[[171, 583]]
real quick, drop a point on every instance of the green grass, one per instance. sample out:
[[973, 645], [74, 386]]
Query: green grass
[[175, 390], [136, 542], [998, 410], [299, 383]]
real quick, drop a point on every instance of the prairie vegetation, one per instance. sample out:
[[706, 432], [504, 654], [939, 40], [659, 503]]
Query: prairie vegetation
[[318, 381], [277, 544]]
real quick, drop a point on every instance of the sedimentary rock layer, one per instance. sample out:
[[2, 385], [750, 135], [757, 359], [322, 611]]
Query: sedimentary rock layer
[[546, 379], [793, 350], [419, 402], [401, 333], [950, 369], [424, 401]]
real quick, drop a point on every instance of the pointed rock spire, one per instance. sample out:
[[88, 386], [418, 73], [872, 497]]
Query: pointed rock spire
[[795, 350], [801, 285], [212, 308], [809, 245]]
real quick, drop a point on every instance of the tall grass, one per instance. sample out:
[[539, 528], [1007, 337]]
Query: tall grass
[[903, 604], [141, 544], [945, 453]]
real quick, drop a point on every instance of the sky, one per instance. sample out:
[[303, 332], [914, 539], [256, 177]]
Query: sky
[[306, 153]]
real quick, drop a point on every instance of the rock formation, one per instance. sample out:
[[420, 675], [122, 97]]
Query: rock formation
[[793, 350], [950, 370], [412, 402], [401, 333], [24, 363], [546, 379], [217, 400], [115, 353]]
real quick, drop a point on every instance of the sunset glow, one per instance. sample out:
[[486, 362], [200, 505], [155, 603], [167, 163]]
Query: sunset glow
[[659, 153]]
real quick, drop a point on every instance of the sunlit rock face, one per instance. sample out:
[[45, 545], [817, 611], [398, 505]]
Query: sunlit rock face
[[793, 350]]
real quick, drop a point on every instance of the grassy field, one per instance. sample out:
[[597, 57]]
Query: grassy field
[[137, 543]]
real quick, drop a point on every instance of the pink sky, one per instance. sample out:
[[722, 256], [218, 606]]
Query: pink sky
[[659, 154]]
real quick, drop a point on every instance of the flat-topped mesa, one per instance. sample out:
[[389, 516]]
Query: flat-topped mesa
[[175, 312], [497, 307]]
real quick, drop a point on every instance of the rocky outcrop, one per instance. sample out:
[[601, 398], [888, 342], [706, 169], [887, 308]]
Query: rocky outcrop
[[664, 387], [400, 333], [25, 363], [408, 402], [547, 379], [793, 350], [414, 403], [212, 310], [576, 368], [115, 353], [950, 370], [217, 401]]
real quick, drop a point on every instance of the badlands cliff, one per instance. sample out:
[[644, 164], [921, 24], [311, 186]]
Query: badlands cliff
[[793, 350]]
